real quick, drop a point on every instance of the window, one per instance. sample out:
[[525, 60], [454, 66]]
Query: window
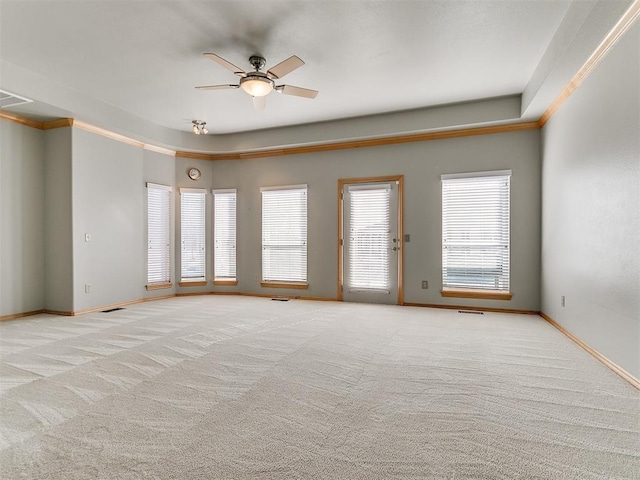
[[475, 232], [158, 236], [369, 236], [224, 236], [192, 235], [284, 235]]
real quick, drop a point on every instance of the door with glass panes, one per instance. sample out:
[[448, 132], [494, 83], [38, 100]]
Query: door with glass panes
[[370, 241]]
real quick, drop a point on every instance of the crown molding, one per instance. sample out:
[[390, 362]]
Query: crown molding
[[372, 142], [201, 156], [72, 122], [155, 148], [87, 127], [298, 150], [61, 123], [12, 117], [615, 34]]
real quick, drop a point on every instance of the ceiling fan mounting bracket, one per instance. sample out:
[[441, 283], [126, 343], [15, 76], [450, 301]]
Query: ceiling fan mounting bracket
[[257, 62]]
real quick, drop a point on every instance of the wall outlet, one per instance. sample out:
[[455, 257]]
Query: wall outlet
[[257, 277], [425, 284], [407, 238], [562, 300], [87, 288]]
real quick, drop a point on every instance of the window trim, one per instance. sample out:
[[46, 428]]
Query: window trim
[[196, 281], [478, 293], [294, 284], [192, 283], [224, 281], [282, 284], [481, 294], [489, 173], [164, 284]]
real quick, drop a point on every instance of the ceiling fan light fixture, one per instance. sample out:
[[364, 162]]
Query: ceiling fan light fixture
[[256, 87]]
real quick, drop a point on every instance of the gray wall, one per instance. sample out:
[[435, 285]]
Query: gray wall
[[21, 218], [96, 185], [108, 196], [58, 211], [591, 208], [452, 115], [421, 164]]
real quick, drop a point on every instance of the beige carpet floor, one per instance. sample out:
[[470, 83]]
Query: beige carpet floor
[[221, 387]]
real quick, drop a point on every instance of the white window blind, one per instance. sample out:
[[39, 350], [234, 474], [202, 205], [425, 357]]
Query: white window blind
[[369, 237], [192, 236], [224, 234], [475, 231], [284, 234], [158, 233]]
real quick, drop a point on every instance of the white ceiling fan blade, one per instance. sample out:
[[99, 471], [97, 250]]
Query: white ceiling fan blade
[[259, 103], [297, 91], [228, 65], [216, 87], [284, 67]]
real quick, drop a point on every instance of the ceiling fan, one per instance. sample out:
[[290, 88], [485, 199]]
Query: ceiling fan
[[259, 84]]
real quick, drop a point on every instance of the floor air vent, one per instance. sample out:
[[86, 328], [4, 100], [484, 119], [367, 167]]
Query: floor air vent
[[471, 312], [280, 299], [112, 310], [8, 99]]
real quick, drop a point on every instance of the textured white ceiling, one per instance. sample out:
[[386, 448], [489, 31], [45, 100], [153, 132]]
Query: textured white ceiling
[[365, 57]]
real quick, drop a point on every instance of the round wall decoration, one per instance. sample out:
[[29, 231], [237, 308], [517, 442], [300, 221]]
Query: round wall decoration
[[194, 173]]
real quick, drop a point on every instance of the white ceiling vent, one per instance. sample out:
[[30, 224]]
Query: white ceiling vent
[[8, 99]]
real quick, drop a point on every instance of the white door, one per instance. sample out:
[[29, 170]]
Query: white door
[[370, 242]]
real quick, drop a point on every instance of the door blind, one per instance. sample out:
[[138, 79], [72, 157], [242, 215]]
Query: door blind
[[158, 233], [284, 234], [224, 234], [475, 231], [192, 236], [369, 237]]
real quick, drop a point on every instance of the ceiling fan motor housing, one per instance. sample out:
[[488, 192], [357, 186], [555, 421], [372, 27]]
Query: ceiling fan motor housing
[[257, 61]]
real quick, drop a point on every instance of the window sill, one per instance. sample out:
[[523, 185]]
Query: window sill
[[228, 283], [193, 283], [159, 286], [483, 294], [297, 285]]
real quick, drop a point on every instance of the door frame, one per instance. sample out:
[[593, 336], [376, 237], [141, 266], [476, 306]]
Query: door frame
[[348, 181]]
